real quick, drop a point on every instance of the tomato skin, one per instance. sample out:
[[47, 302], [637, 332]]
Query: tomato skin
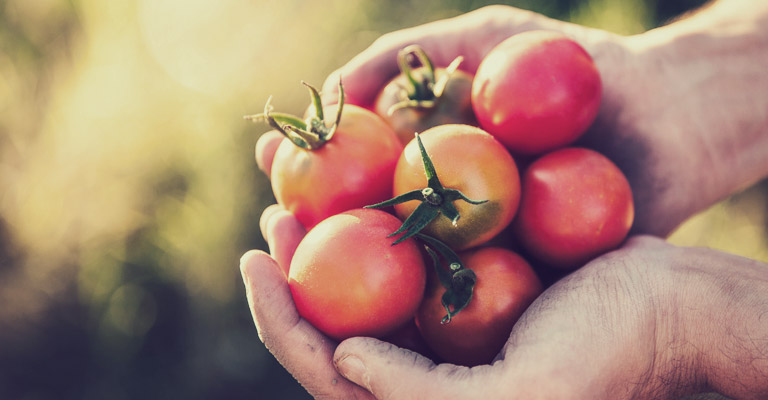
[[576, 204], [348, 280], [536, 91], [453, 107], [470, 160], [352, 170], [506, 286]]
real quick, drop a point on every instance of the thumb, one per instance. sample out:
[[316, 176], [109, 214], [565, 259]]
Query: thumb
[[390, 372]]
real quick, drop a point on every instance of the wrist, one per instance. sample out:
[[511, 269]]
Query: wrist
[[716, 322], [699, 95], [675, 368]]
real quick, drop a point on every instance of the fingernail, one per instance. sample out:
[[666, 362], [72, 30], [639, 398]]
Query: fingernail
[[246, 256], [243, 262], [354, 370]]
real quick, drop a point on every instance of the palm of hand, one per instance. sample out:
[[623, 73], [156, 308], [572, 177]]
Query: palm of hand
[[582, 317]]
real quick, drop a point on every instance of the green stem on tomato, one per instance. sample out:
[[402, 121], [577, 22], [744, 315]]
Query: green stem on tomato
[[423, 89], [435, 200], [458, 281], [309, 134]]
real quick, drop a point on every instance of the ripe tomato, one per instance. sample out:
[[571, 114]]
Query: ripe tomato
[[471, 161], [454, 107], [536, 91], [506, 285], [439, 96], [576, 204], [348, 280], [351, 170]]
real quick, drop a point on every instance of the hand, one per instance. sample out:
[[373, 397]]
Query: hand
[[297, 345], [665, 163], [649, 320], [472, 36], [682, 112], [592, 335]]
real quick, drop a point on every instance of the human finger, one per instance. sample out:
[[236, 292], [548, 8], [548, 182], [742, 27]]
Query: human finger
[[471, 35], [265, 216], [266, 147], [284, 234], [305, 352], [390, 372]]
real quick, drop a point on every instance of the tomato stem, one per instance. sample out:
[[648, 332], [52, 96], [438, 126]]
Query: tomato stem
[[309, 134], [431, 197], [413, 90], [435, 200], [458, 281], [424, 89], [440, 84], [317, 102]]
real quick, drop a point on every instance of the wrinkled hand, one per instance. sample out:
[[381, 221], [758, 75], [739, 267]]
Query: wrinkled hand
[[645, 143], [298, 346], [648, 320], [614, 328], [607, 313]]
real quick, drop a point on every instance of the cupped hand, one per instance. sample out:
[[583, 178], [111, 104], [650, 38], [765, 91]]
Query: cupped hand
[[661, 159], [303, 350], [594, 334], [646, 321], [313, 358]]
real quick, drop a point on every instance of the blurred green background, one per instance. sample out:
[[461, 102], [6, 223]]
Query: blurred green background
[[129, 189]]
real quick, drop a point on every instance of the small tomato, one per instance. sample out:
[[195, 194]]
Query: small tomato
[[536, 91], [421, 98], [505, 287], [348, 280], [468, 160], [576, 204], [320, 170]]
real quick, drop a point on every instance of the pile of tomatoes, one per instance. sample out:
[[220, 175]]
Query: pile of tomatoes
[[413, 206]]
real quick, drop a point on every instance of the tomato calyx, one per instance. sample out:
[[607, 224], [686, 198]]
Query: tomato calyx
[[458, 281], [435, 200], [424, 89], [309, 134]]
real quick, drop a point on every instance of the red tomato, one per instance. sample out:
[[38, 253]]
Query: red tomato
[[471, 161], [576, 204], [536, 91], [348, 280], [506, 286], [352, 170]]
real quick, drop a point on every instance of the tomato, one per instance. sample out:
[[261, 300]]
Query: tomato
[[469, 160], [506, 285], [536, 91], [450, 105], [576, 204], [453, 108], [353, 169], [348, 280]]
